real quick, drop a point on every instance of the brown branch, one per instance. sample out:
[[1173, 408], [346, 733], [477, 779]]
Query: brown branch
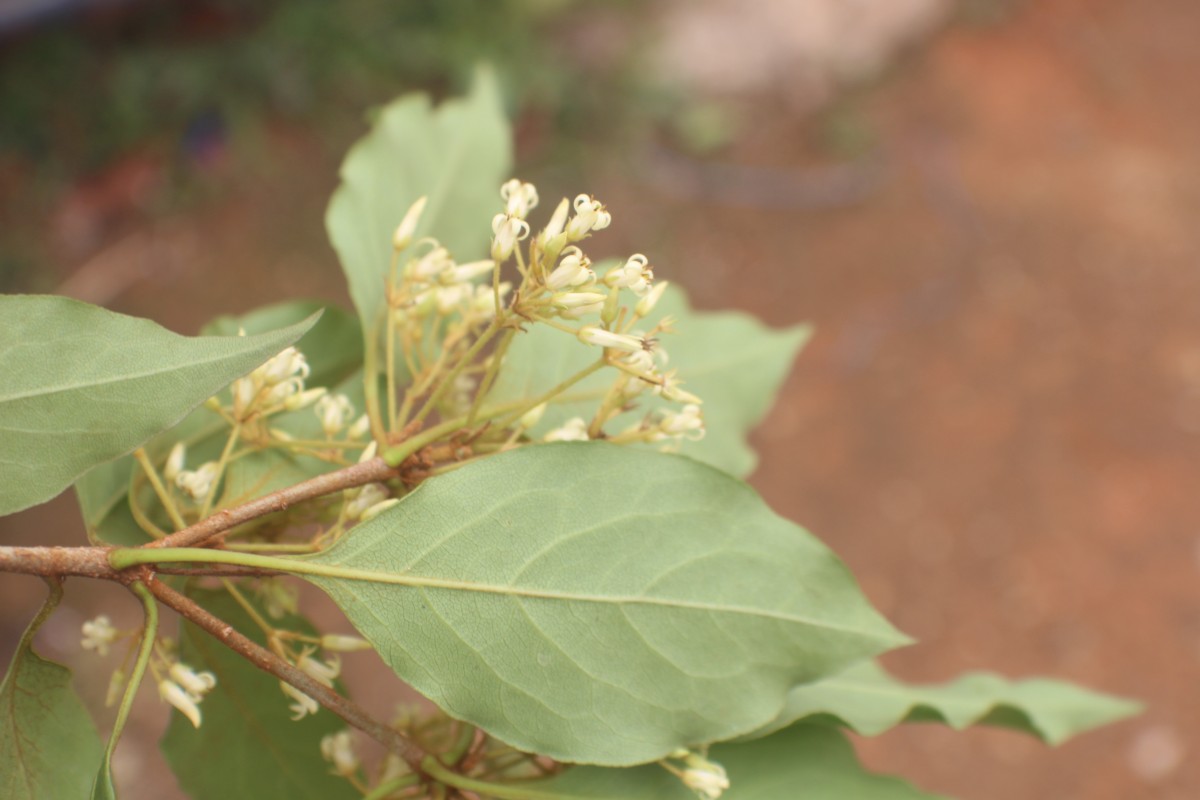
[[59, 562], [347, 478], [267, 661]]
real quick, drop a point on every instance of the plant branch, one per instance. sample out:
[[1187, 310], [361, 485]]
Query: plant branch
[[267, 661], [372, 471]]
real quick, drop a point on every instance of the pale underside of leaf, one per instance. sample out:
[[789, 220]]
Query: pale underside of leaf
[[599, 604], [84, 386]]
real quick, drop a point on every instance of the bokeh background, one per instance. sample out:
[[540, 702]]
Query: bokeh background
[[988, 207]]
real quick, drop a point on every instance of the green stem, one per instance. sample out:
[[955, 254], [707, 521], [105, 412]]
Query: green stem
[[371, 383], [395, 784], [164, 496], [466, 359], [149, 632], [552, 393], [501, 791], [234, 433], [485, 383]]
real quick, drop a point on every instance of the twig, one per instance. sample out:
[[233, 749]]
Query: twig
[[372, 471], [267, 661]]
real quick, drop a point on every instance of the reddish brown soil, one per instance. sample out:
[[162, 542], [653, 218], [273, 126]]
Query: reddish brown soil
[[997, 424]]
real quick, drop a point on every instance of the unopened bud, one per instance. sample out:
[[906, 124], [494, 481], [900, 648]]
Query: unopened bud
[[533, 416], [402, 238], [647, 303]]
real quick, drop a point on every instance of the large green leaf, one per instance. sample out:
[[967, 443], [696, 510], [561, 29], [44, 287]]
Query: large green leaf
[[48, 745], [333, 348], [247, 743], [870, 701], [457, 155], [805, 762], [731, 360], [600, 604], [83, 386]]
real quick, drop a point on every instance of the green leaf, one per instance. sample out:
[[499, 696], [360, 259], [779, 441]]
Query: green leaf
[[48, 745], [805, 761], [597, 603], [247, 742], [333, 349], [83, 386], [731, 360], [870, 701], [457, 155]]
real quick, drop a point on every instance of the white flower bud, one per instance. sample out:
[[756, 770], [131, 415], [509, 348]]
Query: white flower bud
[[360, 427], [377, 509], [688, 423], [709, 781], [366, 497], [175, 694], [323, 672], [533, 416], [590, 334], [519, 198], [197, 684], [334, 411], [464, 273], [404, 231], [368, 452], [344, 644], [573, 430], [429, 266], [338, 749], [198, 483], [650, 300], [175, 461], [304, 399], [558, 221]]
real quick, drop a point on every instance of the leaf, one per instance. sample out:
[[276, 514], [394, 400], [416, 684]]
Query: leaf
[[83, 386], [868, 700], [731, 360], [48, 745], [805, 761], [247, 741], [597, 603], [457, 155], [333, 349]]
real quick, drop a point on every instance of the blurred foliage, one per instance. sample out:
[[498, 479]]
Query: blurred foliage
[[83, 90]]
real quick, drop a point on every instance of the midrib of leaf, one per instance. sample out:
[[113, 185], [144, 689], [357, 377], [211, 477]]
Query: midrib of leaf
[[302, 567]]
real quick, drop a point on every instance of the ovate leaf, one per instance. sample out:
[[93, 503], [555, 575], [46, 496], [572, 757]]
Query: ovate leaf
[[48, 745], [83, 386], [731, 360], [805, 762], [247, 743], [456, 154], [599, 604], [870, 701]]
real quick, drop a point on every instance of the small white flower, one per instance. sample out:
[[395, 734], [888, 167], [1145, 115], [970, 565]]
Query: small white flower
[[366, 497], [429, 266], [323, 672], [175, 461], [708, 781], [244, 392], [303, 705], [177, 696], [448, 298], [198, 483], [484, 301], [574, 305], [519, 198], [590, 215], [304, 399], [98, 634], [636, 274], [688, 423], [533, 416], [573, 270], [334, 411], [404, 231], [671, 389], [342, 643], [196, 684], [508, 231], [359, 429], [377, 509], [338, 749], [573, 430], [590, 334], [464, 273], [288, 364], [650, 300]]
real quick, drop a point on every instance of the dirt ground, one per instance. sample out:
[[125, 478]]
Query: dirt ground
[[998, 423]]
